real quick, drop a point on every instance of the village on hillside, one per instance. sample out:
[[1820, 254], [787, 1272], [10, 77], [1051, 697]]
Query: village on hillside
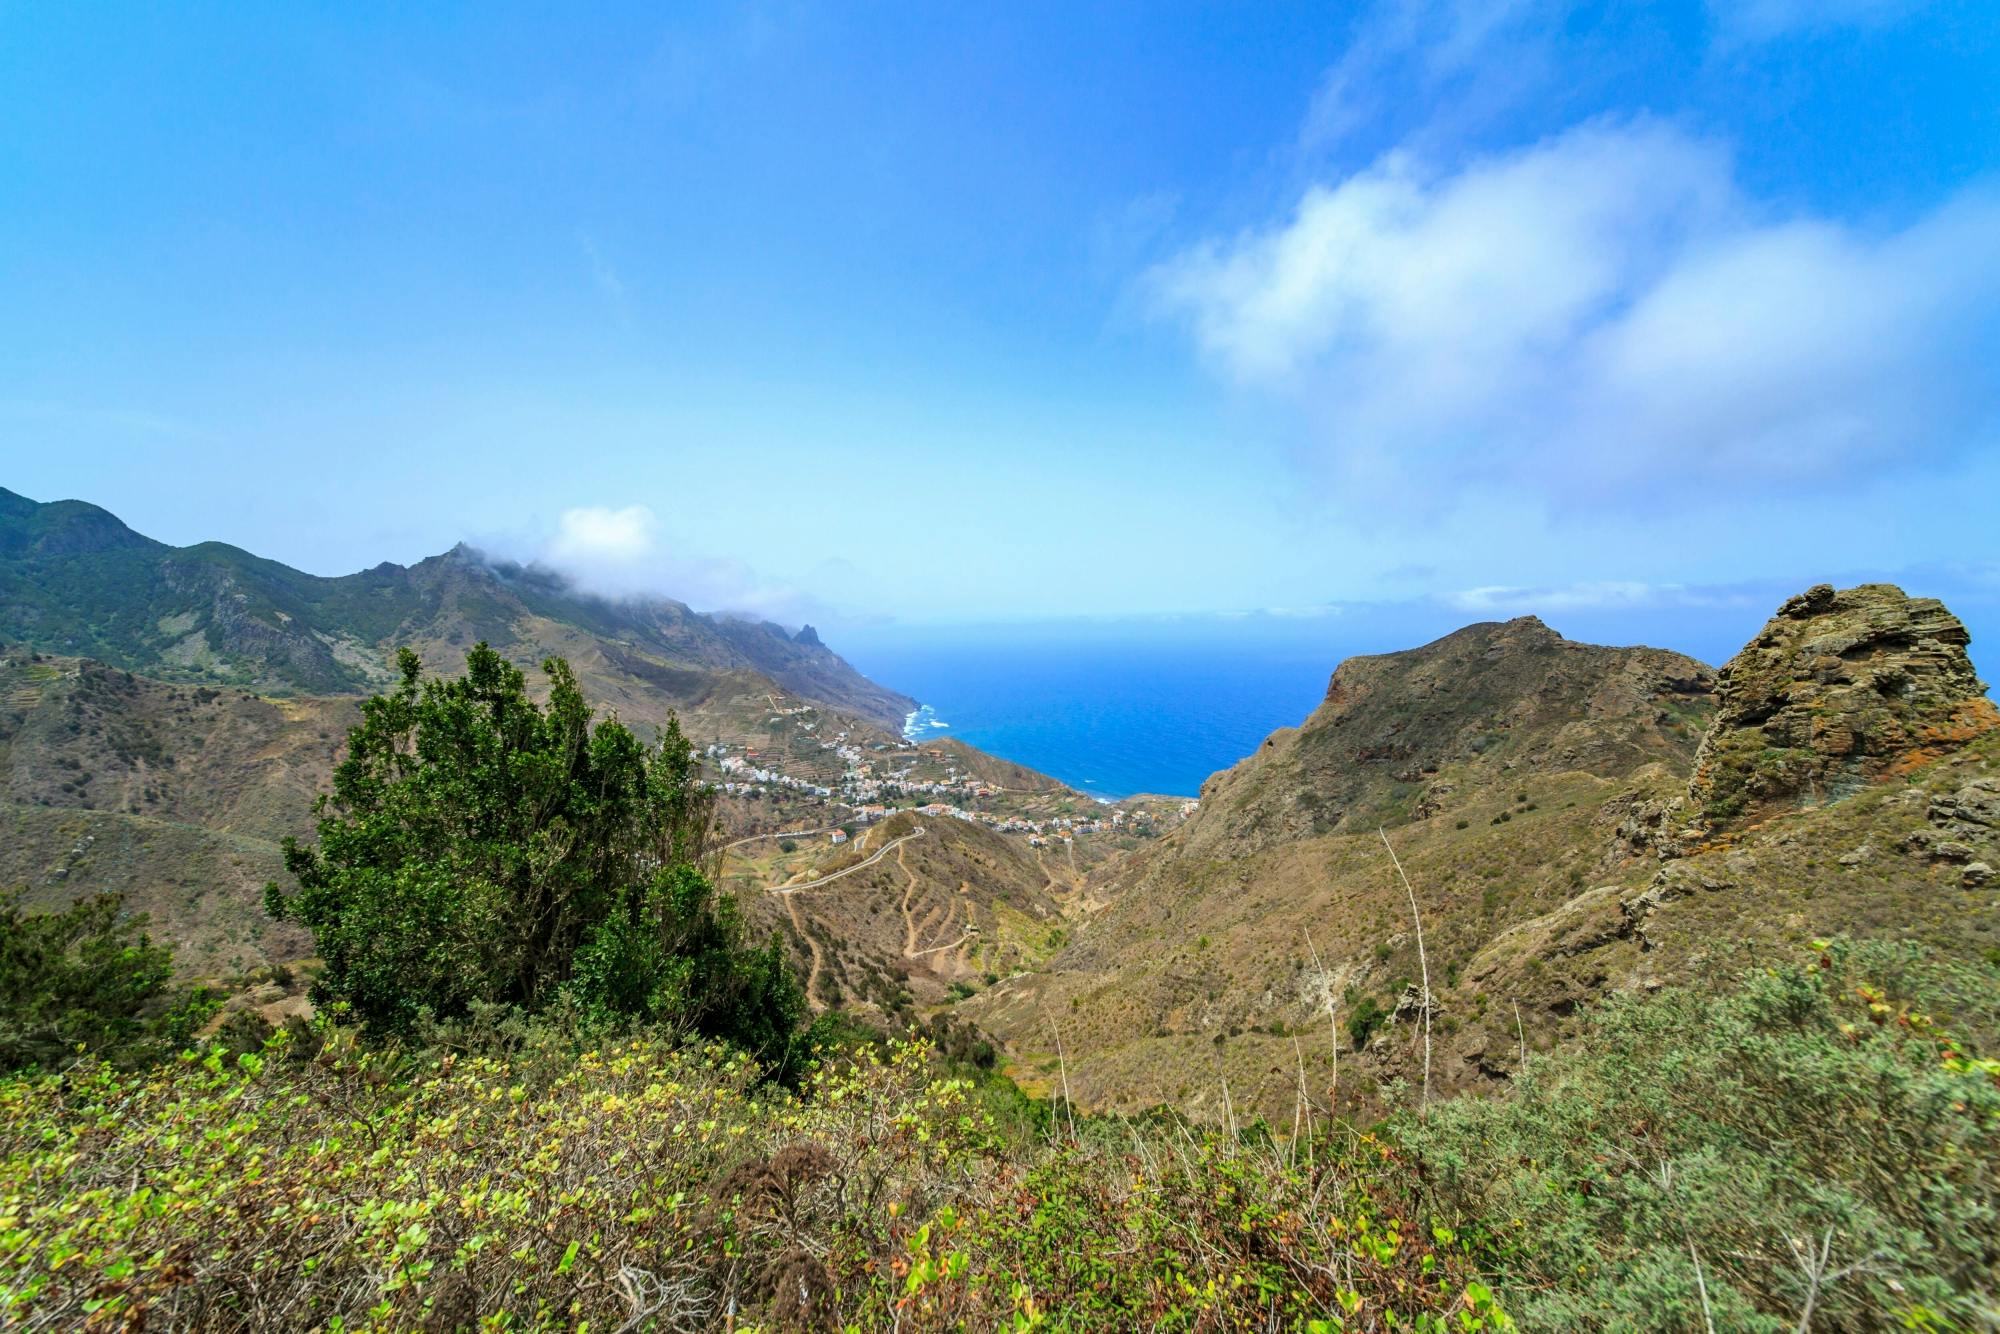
[[852, 777]]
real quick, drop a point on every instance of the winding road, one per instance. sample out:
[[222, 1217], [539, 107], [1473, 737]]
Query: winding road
[[870, 860], [782, 833]]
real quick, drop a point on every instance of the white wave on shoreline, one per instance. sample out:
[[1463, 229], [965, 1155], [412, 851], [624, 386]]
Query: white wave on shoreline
[[922, 722]]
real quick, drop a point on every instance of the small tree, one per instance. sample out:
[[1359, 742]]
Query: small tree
[[479, 848], [86, 976]]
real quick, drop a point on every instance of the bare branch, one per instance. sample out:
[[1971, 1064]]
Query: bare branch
[[1423, 963]]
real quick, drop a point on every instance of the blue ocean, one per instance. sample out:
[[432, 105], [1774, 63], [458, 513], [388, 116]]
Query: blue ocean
[[1106, 719]]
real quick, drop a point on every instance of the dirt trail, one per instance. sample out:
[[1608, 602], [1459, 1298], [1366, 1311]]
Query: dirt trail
[[933, 918], [1059, 886], [909, 923], [941, 921], [963, 937], [928, 926], [812, 946]]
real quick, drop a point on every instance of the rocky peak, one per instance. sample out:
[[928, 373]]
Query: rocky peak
[[1838, 689], [1401, 735], [1521, 630]]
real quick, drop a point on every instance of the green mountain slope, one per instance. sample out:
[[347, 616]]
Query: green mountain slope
[[75, 580]]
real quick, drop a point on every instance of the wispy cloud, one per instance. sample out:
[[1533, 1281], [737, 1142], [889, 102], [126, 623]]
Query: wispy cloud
[[1603, 316], [1596, 595], [1431, 69], [604, 274], [1741, 22], [1463, 61]]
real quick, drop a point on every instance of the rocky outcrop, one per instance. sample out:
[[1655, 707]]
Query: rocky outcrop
[[1971, 812], [1962, 825], [1838, 690]]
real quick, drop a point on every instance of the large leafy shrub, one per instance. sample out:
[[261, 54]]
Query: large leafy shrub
[[477, 848]]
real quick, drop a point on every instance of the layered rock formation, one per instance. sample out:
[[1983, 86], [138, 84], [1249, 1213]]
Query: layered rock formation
[[1838, 690], [1848, 784]]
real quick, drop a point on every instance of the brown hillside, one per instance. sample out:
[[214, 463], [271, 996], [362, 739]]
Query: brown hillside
[[1540, 887], [1399, 733], [176, 795], [201, 889], [1503, 756], [952, 904], [79, 734]]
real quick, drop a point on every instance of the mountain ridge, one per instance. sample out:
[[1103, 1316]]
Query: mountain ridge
[[1563, 817], [169, 770], [75, 579]]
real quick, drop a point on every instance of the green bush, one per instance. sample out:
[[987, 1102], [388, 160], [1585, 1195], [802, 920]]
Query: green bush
[[479, 849], [87, 976], [1364, 1017], [1720, 1144]]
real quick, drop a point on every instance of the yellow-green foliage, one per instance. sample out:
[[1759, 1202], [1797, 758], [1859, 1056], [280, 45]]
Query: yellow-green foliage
[[642, 1186]]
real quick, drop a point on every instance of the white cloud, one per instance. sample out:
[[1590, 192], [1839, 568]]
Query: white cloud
[[1602, 315], [623, 553], [598, 536], [1597, 595]]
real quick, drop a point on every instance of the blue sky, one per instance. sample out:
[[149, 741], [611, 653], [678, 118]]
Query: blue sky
[[917, 315]]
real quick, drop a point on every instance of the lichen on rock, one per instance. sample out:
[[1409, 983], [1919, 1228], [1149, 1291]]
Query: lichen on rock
[[1841, 688]]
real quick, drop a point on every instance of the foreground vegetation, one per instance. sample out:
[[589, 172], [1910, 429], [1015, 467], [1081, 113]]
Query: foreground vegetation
[[479, 848], [643, 1186], [1812, 1146], [89, 978], [1807, 1147]]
